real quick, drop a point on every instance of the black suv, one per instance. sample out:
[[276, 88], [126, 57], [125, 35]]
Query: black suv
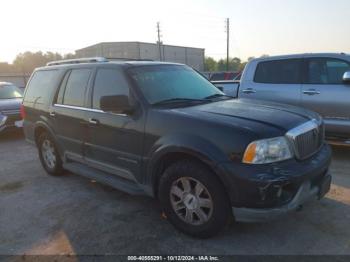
[[163, 130]]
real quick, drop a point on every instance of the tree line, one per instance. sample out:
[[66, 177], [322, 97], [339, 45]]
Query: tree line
[[235, 64], [26, 62]]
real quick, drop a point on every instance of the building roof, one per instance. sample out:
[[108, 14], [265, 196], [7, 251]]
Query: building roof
[[136, 42]]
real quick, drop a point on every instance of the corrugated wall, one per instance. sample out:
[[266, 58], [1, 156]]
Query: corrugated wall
[[193, 57]]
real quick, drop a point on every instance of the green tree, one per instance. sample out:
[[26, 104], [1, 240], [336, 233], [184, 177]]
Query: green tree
[[210, 64], [221, 65], [28, 61], [234, 64], [69, 56], [250, 58]]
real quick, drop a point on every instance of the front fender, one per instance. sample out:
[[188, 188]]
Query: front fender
[[191, 145]]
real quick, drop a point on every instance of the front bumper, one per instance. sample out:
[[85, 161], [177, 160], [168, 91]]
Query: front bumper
[[305, 193], [9, 122], [260, 192]]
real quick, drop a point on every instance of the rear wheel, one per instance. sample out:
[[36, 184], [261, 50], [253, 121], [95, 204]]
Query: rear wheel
[[193, 199], [49, 156]]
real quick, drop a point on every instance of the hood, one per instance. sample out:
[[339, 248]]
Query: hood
[[10, 104], [280, 116]]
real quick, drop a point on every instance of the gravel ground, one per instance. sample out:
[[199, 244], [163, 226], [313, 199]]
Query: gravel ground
[[40, 214]]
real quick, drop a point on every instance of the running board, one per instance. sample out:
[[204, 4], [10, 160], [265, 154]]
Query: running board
[[121, 184]]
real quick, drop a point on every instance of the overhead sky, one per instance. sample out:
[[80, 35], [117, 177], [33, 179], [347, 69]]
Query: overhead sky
[[257, 26]]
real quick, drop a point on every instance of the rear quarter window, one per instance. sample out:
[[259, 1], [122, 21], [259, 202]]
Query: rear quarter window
[[41, 87]]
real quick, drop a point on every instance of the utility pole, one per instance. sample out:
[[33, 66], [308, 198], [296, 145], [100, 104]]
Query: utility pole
[[159, 42], [228, 41]]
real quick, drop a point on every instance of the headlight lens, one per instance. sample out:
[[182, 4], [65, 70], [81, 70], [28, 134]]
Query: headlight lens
[[267, 151]]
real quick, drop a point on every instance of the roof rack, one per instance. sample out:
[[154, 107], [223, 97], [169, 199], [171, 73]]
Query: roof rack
[[78, 61], [127, 59]]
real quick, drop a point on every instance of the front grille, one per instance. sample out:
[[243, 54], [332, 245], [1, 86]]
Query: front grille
[[307, 138]]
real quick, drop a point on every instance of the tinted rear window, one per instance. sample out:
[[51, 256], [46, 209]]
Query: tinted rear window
[[41, 86], [279, 72]]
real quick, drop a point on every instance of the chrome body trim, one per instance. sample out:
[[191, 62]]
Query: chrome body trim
[[88, 109]]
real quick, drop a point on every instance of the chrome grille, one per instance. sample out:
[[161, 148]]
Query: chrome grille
[[307, 138]]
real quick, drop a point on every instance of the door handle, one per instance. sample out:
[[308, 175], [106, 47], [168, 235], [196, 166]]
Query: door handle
[[52, 114], [93, 121], [249, 91], [311, 92]]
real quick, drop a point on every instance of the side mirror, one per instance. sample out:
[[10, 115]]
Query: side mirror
[[116, 104], [346, 78]]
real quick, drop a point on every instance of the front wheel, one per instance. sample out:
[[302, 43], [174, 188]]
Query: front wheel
[[193, 199]]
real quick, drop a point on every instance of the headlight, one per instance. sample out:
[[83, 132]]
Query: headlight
[[267, 151]]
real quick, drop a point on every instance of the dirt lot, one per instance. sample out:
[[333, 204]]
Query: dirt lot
[[40, 214]]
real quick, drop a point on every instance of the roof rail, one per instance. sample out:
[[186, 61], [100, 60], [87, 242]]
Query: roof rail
[[128, 59], [78, 61]]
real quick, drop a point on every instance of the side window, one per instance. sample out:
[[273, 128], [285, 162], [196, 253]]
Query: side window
[[286, 71], [326, 70], [41, 86], [76, 86], [109, 82]]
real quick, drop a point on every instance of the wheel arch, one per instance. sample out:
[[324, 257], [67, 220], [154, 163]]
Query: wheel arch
[[41, 127], [175, 154]]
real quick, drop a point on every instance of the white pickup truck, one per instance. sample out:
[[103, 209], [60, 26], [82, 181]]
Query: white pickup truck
[[319, 82]]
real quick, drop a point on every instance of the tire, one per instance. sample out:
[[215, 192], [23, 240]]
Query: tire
[[53, 164], [190, 204]]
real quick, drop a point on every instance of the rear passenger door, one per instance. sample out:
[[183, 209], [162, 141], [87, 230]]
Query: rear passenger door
[[69, 112], [276, 80], [114, 141], [325, 92]]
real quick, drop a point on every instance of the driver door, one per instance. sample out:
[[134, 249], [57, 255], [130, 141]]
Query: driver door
[[114, 141]]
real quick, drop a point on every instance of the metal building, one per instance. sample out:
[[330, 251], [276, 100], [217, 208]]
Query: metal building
[[193, 57]]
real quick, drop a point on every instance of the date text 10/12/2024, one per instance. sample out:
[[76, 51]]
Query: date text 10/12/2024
[[173, 258]]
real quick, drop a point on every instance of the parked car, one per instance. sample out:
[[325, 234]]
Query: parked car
[[163, 130], [319, 82], [10, 102]]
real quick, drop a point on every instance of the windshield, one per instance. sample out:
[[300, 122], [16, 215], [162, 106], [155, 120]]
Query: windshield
[[10, 91], [170, 82]]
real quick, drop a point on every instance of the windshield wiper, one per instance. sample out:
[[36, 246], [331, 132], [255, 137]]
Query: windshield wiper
[[217, 95], [179, 100]]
